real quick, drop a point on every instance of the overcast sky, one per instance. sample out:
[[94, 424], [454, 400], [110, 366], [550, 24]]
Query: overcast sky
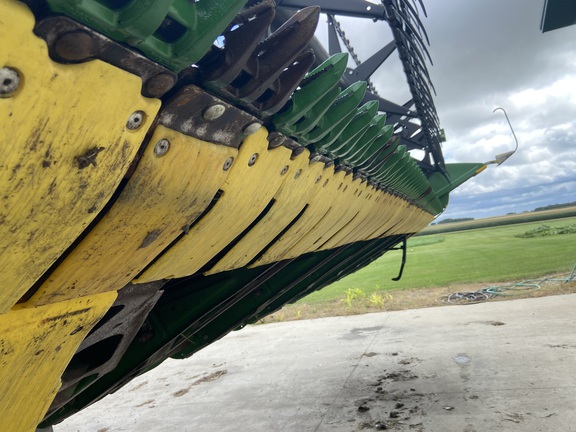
[[491, 53]]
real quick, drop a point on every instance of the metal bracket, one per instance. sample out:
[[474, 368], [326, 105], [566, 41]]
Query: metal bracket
[[71, 42], [196, 113]]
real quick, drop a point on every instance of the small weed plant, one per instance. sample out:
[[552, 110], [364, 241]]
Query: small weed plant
[[378, 300], [353, 294], [355, 297]]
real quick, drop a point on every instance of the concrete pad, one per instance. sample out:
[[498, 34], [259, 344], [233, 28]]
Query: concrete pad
[[502, 366]]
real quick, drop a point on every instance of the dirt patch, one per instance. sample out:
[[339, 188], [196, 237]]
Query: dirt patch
[[181, 392], [208, 378], [492, 323], [148, 402], [402, 375], [212, 377], [138, 386], [563, 346]]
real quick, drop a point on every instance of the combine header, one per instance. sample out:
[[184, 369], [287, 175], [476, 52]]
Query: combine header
[[173, 170]]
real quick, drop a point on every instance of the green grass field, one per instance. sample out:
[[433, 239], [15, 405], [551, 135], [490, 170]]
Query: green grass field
[[472, 256]]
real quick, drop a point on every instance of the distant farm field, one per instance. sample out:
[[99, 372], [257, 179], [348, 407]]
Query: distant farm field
[[479, 255], [501, 220]]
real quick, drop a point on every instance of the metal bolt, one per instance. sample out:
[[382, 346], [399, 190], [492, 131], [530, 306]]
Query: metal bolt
[[315, 157], [159, 84], [75, 46], [161, 147], [228, 163], [252, 128], [297, 151], [9, 81], [325, 183], [328, 164], [318, 179], [253, 159], [284, 170], [214, 112], [276, 142], [297, 173], [135, 120]]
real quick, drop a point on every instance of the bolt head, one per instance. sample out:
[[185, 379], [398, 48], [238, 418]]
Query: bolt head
[[228, 163], [159, 84], [75, 46], [214, 112], [9, 82], [253, 159], [135, 120], [315, 157], [161, 147]]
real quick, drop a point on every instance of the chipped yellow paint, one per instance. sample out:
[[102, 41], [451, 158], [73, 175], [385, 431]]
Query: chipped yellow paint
[[379, 218], [65, 148], [395, 210], [406, 218], [164, 196], [319, 206], [341, 212], [383, 218], [416, 220], [246, 193], [36, 345], [355, 230], [352, 212], [291, 198]]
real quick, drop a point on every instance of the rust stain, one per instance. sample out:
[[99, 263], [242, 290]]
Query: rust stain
[[63, 316]]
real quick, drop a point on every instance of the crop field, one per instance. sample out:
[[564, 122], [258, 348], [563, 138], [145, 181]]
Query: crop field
[[501, 221], [447, 262]]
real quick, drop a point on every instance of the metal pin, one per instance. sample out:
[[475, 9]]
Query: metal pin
[[297, 174], [9, 81], [135, 120], [284, 170], [161, 147]]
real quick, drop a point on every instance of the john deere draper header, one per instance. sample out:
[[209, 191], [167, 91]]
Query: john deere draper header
[[172, 170]]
